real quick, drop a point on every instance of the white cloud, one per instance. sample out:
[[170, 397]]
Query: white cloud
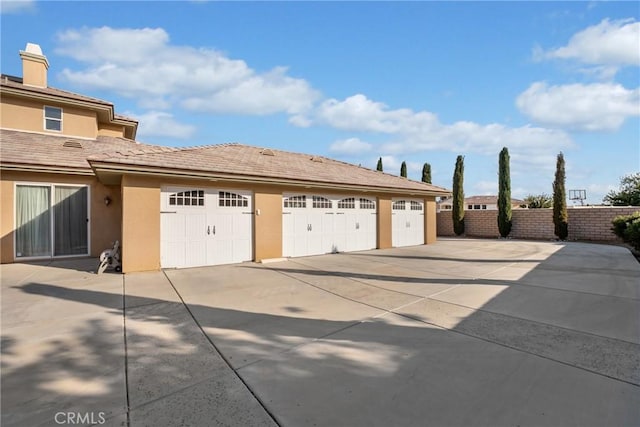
[[160, 123], [610, 43], [350, 146], [413, 132], [17, 6], [144, 65], [591, 107]]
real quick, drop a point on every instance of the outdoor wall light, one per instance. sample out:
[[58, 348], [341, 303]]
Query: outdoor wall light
[[107, 200]]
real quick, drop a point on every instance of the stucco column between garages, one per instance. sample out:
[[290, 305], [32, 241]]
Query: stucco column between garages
[[140, 224]]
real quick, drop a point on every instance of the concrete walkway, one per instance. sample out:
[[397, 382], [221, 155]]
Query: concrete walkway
[[463, 332]]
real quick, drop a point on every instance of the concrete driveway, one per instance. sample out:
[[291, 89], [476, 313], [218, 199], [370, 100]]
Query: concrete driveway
[[462, 332]]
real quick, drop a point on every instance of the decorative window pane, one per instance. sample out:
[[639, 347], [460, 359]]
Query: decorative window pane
[[187, 198], [399, 205], [53, 118], [295, 202], [367, 204], [484, 206], [349, 203], [320, 202], [470, 207], [416, 206], [476, 206], [232, 200]]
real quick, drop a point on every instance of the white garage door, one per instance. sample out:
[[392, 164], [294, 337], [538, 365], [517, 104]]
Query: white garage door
[[407, 222], [202, 226], [316, 224]]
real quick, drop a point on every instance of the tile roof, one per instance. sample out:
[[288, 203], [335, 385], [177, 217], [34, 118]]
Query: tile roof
[[16, 83], [243, 160], [36, 149]]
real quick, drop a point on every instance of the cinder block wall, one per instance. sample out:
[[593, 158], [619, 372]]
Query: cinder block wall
[[585, 223]]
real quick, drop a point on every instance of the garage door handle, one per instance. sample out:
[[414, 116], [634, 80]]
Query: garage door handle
[[214, 230], [209, 229]]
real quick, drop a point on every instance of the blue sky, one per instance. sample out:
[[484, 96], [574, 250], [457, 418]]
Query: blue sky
[[413, 81]]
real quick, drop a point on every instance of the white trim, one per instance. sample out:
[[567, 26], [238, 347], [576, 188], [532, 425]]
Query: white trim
[[51, 186], [45, 118]]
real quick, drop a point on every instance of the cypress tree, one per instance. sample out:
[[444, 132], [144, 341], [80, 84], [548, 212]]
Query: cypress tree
[[403, 169], [458, 197], [426, 173], [379, 166], [504, 193], [560, 214]]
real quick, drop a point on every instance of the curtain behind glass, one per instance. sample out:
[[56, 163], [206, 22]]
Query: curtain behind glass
[[33, 221], [70, 221]]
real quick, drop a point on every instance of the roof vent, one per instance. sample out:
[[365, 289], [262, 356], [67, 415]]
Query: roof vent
[[317, 159], [267, 152], [72, 144]]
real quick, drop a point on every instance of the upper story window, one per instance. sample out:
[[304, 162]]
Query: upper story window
[[53, 118]]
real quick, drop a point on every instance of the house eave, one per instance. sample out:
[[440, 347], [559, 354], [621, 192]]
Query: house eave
[[23, 167], [107, 171]]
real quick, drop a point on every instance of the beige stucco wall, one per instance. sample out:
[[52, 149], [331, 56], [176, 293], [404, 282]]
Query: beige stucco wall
[[6, 221], [140, 224], [104, 221], [28, 115], [384, 222], [430, 223], [268, 224], [34, 72], [111, 130]]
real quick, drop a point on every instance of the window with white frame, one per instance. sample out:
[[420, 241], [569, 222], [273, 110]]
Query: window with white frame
[[53, 118], [295, 202], [187, 198], [226, 199], [416, 206], [367, 204], [320, 202], [51, 220], [399, 205], [349, 203]]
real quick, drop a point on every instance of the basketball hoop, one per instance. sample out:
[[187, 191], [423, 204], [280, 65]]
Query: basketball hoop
[[578, 195]]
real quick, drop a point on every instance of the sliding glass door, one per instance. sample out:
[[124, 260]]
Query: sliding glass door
[[51, 220]]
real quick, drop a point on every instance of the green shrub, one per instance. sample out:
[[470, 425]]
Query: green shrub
[[628, 228]]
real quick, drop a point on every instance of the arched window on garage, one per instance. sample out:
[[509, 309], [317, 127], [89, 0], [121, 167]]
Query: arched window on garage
[[320, 202], [232, 200], [367, 204], [187, 198], [349, 203], [400, 205], [295, 202], [416, 206]]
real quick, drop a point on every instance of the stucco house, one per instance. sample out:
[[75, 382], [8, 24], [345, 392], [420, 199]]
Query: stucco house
[[74, 179]]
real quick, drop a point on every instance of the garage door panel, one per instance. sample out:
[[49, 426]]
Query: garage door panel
[[324, 224], [205, 227], [407, 222]]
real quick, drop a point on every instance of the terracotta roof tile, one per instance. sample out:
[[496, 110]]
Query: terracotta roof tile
[[9, 81], [243, 160], [17, 147]]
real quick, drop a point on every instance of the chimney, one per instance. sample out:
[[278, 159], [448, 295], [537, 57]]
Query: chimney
[[34, 66]]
